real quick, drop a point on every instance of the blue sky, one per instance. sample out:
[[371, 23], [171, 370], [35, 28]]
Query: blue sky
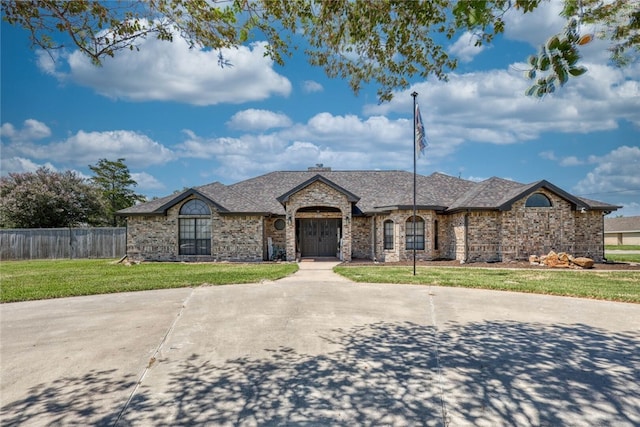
[[180, 120]]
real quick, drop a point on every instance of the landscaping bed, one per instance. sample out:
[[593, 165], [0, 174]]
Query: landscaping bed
[[506, 265]]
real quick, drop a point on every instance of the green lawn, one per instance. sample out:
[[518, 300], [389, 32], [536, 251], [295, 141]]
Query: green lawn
[[613, 286], [42, 279], [622, 247], [622, 257]]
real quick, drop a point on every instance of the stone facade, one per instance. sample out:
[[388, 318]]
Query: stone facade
[[238, 238], [399, 252], [233, 238], [319, 194], [467, 235]]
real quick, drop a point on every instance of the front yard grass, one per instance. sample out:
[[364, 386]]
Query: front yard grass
[[613, 286], [622, 247], [42, 279], [622, 257]]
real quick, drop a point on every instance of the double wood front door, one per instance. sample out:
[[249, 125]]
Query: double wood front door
[[319, 237]]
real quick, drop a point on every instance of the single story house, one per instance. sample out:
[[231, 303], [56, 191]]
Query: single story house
[[622, 231], [367, 215]]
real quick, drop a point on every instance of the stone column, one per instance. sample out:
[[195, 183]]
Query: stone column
[[346, 236], [290, 224]]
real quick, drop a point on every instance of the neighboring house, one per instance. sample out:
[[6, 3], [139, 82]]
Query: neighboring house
[[622, 231], [365, 214]]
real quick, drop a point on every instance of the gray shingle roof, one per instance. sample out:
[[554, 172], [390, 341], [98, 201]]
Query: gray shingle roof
[[622, 224], [376, 191]]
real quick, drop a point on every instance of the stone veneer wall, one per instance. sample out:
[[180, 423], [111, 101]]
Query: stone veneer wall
[[456, 237], [278, 237], [483, 236], [589, 236], [233, 238], [238, 238], [535, 231], [399, 251], [318, 194], [362, 237], [382, 254], [152, 238], [490, 235]]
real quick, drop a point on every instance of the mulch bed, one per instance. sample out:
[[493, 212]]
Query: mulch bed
[[514, 264]]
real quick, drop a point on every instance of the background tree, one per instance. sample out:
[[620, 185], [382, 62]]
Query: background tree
[[384, 41], [114, 181], [47, 199]]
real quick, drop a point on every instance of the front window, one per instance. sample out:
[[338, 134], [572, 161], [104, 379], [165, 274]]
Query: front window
[[435, 235], [415, 235], [538, 200], [195, 228], [388, 234]]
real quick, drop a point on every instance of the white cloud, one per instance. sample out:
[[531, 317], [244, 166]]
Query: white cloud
[[342, 142], [464, 48], [571, 161], [32, 130], [615, 176], [48, 62], [549, 155], [253, 119], [171, 71], [86, 148], [534, 27], [310, 86], [146, 181], [628, 209], [490, 106], [21, 165]]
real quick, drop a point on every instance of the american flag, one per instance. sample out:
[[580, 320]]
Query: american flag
[[421, 136]]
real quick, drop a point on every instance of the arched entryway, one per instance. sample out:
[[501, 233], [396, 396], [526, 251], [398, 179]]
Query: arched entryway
[[318, 231]]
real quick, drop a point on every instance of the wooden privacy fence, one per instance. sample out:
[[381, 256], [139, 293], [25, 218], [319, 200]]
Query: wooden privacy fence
[[53, 243]]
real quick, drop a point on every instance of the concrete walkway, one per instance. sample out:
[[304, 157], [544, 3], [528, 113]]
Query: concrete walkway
[[317, 349]]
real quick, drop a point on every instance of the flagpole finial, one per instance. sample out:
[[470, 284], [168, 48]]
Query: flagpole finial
[[414, 94]]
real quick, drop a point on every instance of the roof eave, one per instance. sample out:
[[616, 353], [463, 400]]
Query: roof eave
[[391, 208], [350, 196], [162, 210], [577, 203]]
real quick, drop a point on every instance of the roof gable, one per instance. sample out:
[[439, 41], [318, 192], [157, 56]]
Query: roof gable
[[160, 206], [487, 194], [509, 199], [318, 178]]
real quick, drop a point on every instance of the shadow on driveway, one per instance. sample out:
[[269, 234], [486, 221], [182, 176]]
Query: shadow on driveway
[[493, 373]]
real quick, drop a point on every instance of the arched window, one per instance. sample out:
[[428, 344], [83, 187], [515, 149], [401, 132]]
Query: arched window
[[538, 200], [415, 235], [195, 228], [388, 234], [195, 207]]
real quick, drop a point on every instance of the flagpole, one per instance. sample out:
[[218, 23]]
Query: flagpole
[[414, 95]]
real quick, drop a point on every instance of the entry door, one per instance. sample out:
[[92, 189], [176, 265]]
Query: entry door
[[319, 237]]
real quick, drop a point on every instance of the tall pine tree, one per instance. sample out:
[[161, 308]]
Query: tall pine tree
[[115, 182]]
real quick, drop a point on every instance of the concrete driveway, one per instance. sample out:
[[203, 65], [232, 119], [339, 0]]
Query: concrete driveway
[[317, 349]]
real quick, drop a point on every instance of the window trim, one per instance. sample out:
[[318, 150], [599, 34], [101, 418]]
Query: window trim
[[536, 198], [196, 225], [436, 245], [388, 240], [417, 240]]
